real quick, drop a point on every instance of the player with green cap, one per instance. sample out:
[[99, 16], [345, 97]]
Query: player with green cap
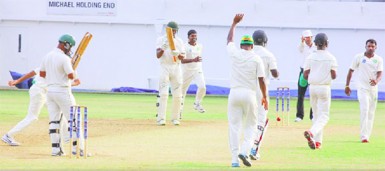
[[57, 70], [246, 70], [170, 74], [68, 42]]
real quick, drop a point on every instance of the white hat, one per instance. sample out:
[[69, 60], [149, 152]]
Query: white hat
[[307, 33]]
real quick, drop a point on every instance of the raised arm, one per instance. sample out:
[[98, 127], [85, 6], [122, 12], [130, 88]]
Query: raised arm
[[236, 20]]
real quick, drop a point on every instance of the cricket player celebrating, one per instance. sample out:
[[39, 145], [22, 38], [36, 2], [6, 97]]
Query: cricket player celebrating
[[320, 70], [305, 48], [270, 65], [170, 61], [246, 69], [37, 99], [192, 70], [369, 67], [58, 72]]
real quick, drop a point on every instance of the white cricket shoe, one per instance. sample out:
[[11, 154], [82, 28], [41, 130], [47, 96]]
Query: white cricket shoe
[[161, 122], [81, 153], [199, 108], [254, 155], [9, 140], [176, 122], [297, 120]]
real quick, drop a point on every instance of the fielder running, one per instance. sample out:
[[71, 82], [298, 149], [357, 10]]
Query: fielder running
[[170, 73], [37, 99], [270, 65], [305, 48], [320, 70], [192, 70], [369, 67], [247, 68], [57, 69]]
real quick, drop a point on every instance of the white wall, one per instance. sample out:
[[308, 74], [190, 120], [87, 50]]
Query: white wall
[[122, 51]]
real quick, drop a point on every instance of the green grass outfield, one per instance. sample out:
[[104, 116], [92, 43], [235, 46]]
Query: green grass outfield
[[200, 143]]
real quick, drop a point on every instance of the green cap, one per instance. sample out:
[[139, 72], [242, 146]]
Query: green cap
[[247, 40], [66, 38], [173, 25]]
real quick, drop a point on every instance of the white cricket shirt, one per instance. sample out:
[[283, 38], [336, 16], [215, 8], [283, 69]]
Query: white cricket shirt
[[367, 69], [320, 64], [39, 81], [305, 51], [246, 67], [57, 66], [268, 59], [191, 53], [167, 57]]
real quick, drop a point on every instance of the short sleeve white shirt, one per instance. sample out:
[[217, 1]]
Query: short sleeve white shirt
[[57, 66], [367, 69], [268, 59], [320, 64], [305, 51], [167, 57], [246, 67], [191, 53]]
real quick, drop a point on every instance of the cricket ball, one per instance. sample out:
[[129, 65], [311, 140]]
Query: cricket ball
[[278, 119]]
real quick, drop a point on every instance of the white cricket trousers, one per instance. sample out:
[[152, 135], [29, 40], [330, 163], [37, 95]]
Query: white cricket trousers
[[368, 104], [198, 78], [37, 99], [320, 98], [242, 113], [170, 74], [59, 101]]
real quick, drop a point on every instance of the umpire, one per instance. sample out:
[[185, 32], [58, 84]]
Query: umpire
[[305, 48]]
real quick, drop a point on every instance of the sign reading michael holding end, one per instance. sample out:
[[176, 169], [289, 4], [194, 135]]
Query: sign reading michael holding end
[[79, 7]]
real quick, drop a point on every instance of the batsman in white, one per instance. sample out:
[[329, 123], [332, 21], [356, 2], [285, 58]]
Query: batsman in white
[[37, 99], [192, 70], [57, 69], [306, 48], [170, 73], [246, 69], [369, 67], [270, 65], [320, 70]]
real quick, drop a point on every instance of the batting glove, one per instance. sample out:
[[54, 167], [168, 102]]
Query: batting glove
[[175, 53]]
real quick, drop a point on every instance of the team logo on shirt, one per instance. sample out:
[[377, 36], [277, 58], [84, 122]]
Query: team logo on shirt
[[364, 61], [375, 61]]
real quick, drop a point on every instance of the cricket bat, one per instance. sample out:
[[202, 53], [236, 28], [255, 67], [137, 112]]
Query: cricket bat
[[80, 50], [170, 38]]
